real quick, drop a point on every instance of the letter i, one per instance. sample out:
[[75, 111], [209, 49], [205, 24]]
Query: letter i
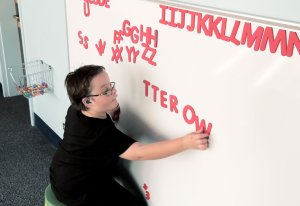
[[163, 14]]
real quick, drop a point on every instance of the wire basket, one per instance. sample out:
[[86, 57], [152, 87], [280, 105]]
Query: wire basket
[[32, 78]]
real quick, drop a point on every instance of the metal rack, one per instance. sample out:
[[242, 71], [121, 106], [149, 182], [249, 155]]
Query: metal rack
[[32, 78]]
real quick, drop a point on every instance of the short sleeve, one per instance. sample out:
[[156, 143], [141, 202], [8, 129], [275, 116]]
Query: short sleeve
[[119, 141]]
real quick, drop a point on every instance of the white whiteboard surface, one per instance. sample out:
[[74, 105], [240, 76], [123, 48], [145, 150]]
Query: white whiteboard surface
[[251, 97]]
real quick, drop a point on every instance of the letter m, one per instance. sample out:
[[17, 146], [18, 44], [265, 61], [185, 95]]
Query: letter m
[[250, 38], [274, 42]]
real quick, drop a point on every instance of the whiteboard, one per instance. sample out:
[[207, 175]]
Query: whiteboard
[[242, 77]]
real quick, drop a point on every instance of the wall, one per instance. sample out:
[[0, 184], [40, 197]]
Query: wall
[[1, 57], [44, 35], [242, 76], [9, 46]]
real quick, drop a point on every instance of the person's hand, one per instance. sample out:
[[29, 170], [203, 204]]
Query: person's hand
[[196, 140]]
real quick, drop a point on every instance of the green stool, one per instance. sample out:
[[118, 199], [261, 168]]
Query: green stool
[[50, 199]]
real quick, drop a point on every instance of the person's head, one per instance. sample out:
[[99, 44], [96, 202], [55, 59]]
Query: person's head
[[89, 89]]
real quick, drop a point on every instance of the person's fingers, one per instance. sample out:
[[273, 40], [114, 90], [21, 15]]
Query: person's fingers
[[203, 136], [205, 144], [200, 131], [201, 142]]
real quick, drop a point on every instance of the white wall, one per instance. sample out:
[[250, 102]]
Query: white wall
[[9, 46], [1, 57], [45, 37]]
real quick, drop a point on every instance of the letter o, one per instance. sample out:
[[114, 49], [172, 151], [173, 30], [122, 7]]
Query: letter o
[[186, 109]]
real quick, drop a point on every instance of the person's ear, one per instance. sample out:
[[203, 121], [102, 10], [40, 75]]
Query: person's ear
[[86, 101]]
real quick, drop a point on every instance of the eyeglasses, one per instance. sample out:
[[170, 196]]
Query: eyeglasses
[[108, 92]]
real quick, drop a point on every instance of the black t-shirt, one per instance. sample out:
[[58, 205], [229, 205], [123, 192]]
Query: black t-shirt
[[86, 157]]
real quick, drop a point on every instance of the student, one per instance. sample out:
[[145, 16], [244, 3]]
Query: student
[[81, 172]]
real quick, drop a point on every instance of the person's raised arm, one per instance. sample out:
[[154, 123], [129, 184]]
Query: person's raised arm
[[162, 149]]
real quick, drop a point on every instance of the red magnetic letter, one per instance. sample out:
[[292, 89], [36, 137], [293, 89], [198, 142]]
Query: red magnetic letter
[[146, 87]]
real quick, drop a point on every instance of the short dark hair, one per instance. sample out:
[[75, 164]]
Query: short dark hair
[[78, 84]]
